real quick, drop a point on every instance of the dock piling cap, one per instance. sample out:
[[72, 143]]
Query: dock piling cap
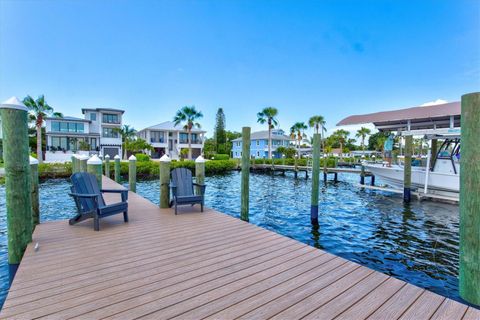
[[107, 157], [165, 158], [33, 160], [116, 157], [132, 158], [200, 159], [82, 157], [13, 103], [94, 160]]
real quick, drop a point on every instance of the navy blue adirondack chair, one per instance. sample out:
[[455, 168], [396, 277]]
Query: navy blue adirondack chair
[[182, 185], [89, 200]]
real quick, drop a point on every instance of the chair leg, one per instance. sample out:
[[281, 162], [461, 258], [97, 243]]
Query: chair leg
[[201, 206], [125, 216], [96, 223]]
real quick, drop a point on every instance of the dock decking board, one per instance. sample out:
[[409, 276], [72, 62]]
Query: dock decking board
[[201, 265]]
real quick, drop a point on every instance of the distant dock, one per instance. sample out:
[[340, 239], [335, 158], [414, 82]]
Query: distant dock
[[201, 265]]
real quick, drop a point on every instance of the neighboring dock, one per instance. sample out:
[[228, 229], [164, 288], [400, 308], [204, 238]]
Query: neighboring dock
[[306, 169], [201, 265]]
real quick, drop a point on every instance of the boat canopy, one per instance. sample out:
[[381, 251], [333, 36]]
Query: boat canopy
[[440, 118]]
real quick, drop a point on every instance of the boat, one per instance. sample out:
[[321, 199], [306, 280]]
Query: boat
[[441, 178]]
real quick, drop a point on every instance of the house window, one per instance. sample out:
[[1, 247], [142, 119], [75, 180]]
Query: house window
[[258, 153], [109, 133], [110, 118], [183, 137], [93, 116], [58, 126], [64, 126], [156, 136], [258, 142]]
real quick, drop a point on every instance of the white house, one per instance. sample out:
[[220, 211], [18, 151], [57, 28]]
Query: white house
[[166, 138], [95, 133]]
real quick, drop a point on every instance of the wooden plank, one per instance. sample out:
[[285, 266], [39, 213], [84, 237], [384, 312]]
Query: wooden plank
[[450, 310], [472, 314], [424, 307]]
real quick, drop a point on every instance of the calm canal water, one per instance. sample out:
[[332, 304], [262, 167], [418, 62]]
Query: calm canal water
[[417, 243]]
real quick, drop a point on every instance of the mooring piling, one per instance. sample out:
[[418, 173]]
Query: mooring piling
[[315, 178], [107, 166], [362, 174], [35, 194], [245, 188], [94, 166], [74, 163], [433, 152], [132, 173], [469, 279], [199, 172], [165, 181], [117, 168], [407, 169], [82, 163], [18, 200]]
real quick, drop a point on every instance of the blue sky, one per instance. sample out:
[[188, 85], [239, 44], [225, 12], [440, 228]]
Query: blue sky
[[333, 58]]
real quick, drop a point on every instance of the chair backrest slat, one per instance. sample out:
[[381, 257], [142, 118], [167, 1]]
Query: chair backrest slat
[[182, 178], [86, 183]]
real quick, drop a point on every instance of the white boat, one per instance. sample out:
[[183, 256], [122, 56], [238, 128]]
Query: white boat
[[442, 178]]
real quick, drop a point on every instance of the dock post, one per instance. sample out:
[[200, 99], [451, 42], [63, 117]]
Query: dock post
[[132, 173], [372, 181], [362, 175], [35, 194], [335, 177], [94, 166], [469, 276], [434, 150], [199, 172], [18, 198], [83, 163], [245, 173], [107, 166], [407, 170], [117, 168], [315, 179], [74, 163], [165, 181]]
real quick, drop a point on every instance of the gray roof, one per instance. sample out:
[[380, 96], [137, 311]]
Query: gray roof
[[102, 109], [260, 135], [168, 125], [67, 118]]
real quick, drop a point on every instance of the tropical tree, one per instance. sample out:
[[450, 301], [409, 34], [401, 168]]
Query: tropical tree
[[318, 123], [220, 133], [127, 133], [298, 131], [268, 115], [38, 111], [341, 136], [188, 115], [363, 133], [137, 145]]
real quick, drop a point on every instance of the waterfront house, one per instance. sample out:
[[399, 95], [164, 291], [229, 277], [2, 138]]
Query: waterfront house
[[95, 133], [166, 138], [259, 144]]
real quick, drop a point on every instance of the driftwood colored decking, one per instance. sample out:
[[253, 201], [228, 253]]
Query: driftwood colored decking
[[201, 265]]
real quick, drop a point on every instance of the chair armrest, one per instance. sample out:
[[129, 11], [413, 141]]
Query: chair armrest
[[202, 188], [123, 193], [84, 195]]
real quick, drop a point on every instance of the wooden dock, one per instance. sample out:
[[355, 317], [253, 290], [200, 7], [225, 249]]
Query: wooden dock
[[306, 169], [201, 265]]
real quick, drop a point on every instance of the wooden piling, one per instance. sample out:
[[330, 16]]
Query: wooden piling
[[315, 178], [245, 189], [407, 169], [117, 168], [165, 181], [469, 277], [35, 193], [107, 166], [83, 163], [434, 151], [94, 166], [74, 163], [132, 173], [362, 175], [18, 198], [199, 172]]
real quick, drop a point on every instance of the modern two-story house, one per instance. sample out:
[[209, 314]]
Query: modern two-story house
[[166, 138], [96, 133], [259, 144]]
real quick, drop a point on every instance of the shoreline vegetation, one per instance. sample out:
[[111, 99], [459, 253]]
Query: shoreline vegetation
[[149, 169]]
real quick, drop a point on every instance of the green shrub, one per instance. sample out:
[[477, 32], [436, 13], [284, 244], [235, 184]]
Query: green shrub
[[141, 157], [54, 170], [220, 156]]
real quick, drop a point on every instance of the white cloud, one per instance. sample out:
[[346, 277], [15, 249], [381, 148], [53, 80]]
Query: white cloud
[[432, 103]]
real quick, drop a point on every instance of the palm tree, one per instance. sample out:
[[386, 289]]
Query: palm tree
[[39, 110], [188, 115], [341, 135], [298, 131], [363, 133], [127, 133], [318, 122], [268, 115]]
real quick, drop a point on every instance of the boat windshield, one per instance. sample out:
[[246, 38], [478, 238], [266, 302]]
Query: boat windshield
[[450, 149]]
